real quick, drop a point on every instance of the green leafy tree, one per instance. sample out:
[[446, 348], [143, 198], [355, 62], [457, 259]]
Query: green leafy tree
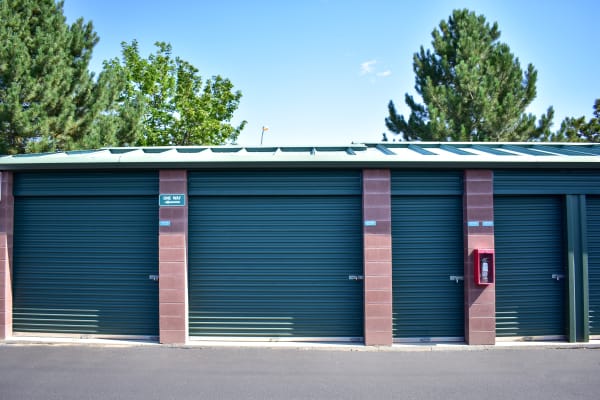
[[118, 122], [166, 102], [578, 129], [472, 86], [48, 99]]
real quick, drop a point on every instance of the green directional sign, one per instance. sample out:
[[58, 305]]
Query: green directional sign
[[171, 200]]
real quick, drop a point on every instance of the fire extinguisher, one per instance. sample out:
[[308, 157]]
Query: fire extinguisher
[[484, 270]]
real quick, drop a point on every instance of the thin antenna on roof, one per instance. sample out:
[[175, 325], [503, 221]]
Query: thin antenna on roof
[[264, 128]]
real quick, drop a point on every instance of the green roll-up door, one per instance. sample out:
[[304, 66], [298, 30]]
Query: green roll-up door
[[85, 246], [275, 265], [546, 182], [593, 224], [427, 241], [530, 266]]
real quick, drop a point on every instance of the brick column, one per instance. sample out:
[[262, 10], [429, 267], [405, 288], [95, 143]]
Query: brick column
[[173, 306], [6, 253], [377, 237], [478, 214]]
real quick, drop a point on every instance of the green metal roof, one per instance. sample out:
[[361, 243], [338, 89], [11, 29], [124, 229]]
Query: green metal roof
[[370, 155]]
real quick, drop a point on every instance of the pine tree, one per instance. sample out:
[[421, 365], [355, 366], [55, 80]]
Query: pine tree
[[48, 99], [578, 129], [472, 86]]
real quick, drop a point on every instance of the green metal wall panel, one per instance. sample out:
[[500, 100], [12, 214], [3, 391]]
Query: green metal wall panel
[[427, 182], [593, 236], [275, 182], [546, 182], [275, 266], [529, 252], [427, 240], [82, 265], [86, 183]]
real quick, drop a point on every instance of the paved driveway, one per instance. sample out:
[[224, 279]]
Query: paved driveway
[[98, 372]]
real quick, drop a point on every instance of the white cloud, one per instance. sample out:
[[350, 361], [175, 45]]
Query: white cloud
[[367, 67], [370, 68]]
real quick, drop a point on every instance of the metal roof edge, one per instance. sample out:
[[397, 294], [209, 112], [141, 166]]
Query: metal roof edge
[[398, 155], [436, 144], [305, 165]]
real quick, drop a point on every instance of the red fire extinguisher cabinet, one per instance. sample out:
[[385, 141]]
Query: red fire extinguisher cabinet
[[485, 266]]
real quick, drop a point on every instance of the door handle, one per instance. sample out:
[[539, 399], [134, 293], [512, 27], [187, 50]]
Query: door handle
[[153, 278], [457, 278], [558, 277], [356, 277]]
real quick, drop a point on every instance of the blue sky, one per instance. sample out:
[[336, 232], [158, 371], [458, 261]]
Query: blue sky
[[321, 72]]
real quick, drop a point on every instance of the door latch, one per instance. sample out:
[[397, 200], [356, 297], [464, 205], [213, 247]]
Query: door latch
[[457, 278], [356, 277]]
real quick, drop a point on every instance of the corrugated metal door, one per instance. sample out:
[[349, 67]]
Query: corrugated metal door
[[275, 263], [546, 182], [84, 247], [593, 246], [427, 243], [530, 266]]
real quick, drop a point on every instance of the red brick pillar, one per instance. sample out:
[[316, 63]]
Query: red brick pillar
[[478, 212], [377, 236], [173, 307], [6, 251]]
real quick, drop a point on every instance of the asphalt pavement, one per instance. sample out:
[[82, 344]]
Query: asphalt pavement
[[67, 372]]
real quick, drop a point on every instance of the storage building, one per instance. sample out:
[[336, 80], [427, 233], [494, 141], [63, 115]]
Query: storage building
[[374, 243]]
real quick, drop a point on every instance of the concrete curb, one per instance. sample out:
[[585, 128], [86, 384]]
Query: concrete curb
[[412, 347]]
